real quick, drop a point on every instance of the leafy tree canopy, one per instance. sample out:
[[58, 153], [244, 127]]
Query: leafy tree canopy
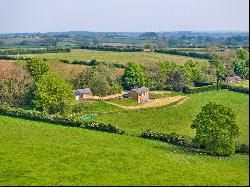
[[53, 94], [216, 129]]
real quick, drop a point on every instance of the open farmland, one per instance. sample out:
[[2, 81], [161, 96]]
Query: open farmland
[[35, 153], [173, 118], [117, 57]]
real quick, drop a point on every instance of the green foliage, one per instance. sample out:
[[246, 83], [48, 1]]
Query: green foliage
[[175, 80], [148, 46], [216, 129], [58, 119], [242, 54], [33, 50], [101, 79], [99, 85], [240, 89], [37, 67], [83, 79], [133, 77], [113, 48], [52, 94], [241, 68], [183, 53], [188, 90], [193, 72], [171, 138], [242, 63]]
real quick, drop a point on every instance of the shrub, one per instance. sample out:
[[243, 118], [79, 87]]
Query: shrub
[[34, 51], [183, 53], [37, 67], [188, 90], [172, 138], [235, 88], [58, 119], [242, 148], [216, 129]]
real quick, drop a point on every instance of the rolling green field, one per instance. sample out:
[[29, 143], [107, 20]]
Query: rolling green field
[[172, 118], [36, 153], [116, 57]]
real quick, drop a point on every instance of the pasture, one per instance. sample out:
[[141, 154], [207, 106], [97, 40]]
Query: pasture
[[116, 57], [36, 153], [175, 118]]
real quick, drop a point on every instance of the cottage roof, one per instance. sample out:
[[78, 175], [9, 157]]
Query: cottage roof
[[140, 90], [82, 91]]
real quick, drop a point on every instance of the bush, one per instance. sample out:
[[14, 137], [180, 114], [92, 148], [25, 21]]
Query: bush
[[216, 129], [183, 53], [113, 48], [187, 90], [58, 119], [242, 148], [235, 88], [34, 51], [172, 138]]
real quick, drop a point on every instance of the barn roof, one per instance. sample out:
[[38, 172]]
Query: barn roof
[[82, 91], [140, 90]]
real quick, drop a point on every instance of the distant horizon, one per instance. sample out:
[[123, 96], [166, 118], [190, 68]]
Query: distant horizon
[[29, 16], [225, 31]]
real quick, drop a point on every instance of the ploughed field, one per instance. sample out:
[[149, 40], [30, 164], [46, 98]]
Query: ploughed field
[[36, 153], [116, 57]]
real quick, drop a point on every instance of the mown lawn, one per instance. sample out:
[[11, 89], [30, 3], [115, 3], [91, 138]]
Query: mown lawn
[[35, 153], [179, 118], [116, 57]]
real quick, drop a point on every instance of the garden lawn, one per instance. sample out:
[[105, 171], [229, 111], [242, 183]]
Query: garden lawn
[[179, 118], [36, 153], [116, 57]]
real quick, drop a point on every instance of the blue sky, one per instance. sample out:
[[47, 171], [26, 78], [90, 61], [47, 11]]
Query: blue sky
[[123, 15]]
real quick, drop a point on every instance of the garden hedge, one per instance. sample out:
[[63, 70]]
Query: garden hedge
[[58, 119]]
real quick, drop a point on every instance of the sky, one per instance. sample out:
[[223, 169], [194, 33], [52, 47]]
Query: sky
[[123, 15]]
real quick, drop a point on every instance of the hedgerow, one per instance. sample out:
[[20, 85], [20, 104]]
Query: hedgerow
[[184, 141], [34, 51], [58, 119], [183, 53], [113, 48], [188, 90], [235, 88]]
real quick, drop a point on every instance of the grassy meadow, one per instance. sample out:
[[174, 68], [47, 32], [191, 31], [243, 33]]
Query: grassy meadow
[[116, 57], [177, 118], [36, 153]]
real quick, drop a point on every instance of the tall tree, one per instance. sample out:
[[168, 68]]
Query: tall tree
[[133, 76], [242, 63], [220, 70], [37, 67], [53, 94], [16, 85], [216, 129]]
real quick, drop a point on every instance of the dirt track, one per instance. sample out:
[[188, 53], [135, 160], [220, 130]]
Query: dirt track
[[154, 102]]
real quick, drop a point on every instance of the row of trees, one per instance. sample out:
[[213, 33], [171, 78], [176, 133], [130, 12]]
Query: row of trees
[[49, 92]]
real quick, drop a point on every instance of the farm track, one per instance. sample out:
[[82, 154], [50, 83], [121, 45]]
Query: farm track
[[153, 103]]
